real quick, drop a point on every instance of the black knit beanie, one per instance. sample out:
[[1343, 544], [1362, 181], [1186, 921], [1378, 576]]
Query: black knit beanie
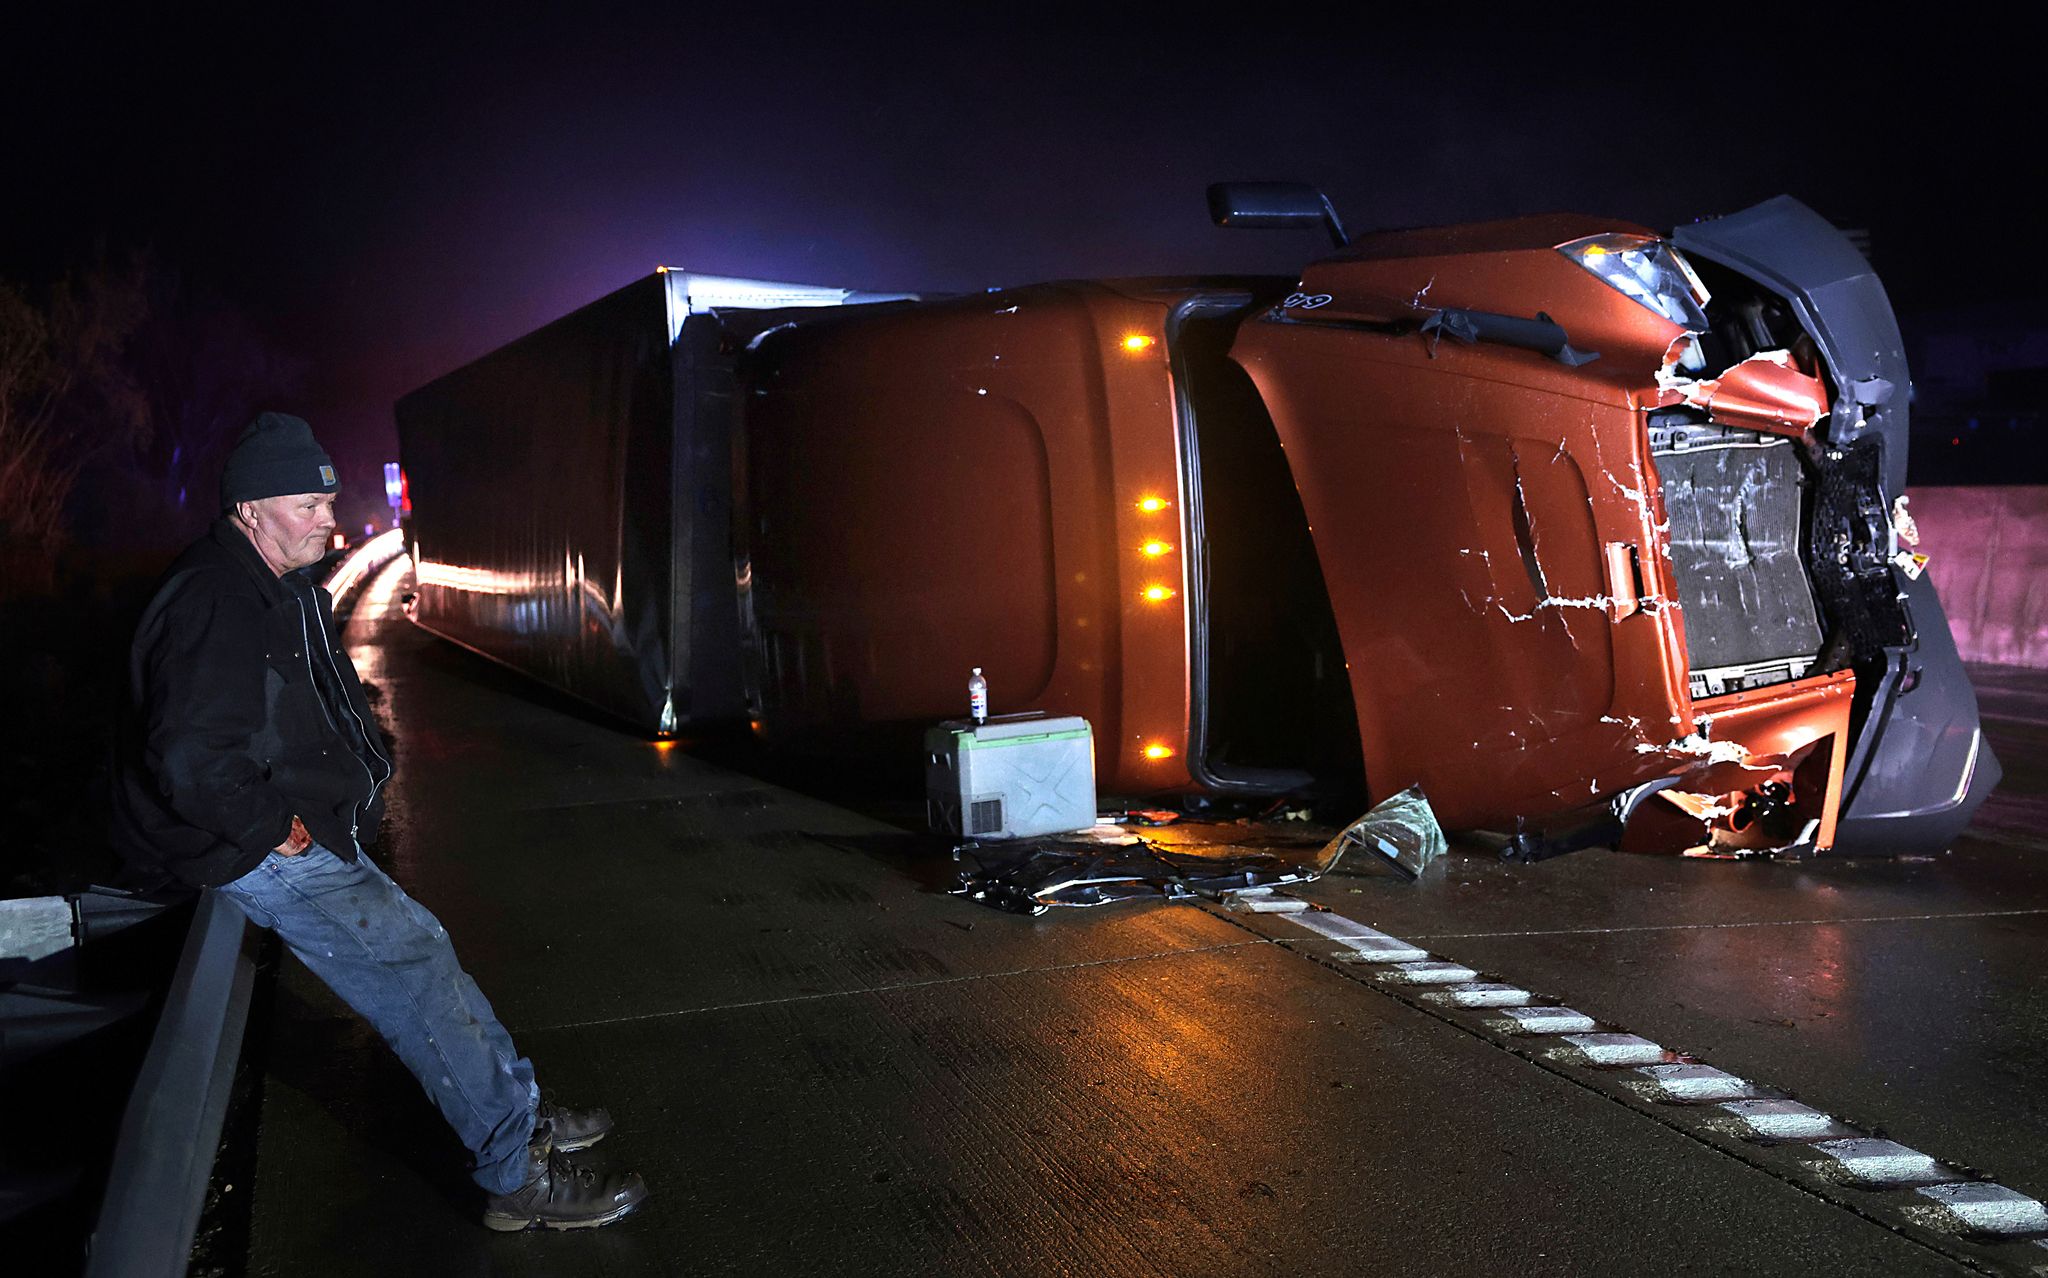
[[277, 456]]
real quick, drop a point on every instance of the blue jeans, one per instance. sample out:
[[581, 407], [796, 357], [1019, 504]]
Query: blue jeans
[[390, 959]]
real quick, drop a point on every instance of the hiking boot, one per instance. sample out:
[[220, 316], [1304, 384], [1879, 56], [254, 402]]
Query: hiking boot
[[562, 1195], [573, 1129]]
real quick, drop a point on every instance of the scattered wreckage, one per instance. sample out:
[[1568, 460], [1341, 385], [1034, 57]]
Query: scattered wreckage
[[1107, 863], [1590, 533]]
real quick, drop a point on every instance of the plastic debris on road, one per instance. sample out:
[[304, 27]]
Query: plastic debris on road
[[1401, 830], [1110, 864]]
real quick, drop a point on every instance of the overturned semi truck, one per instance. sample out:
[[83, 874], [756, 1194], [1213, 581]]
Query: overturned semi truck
[[1587, 531]]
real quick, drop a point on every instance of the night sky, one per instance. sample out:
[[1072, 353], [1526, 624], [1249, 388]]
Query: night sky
[[389, 196]]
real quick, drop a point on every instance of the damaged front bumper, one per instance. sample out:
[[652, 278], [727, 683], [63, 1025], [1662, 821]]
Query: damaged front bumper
[[1762, 773]]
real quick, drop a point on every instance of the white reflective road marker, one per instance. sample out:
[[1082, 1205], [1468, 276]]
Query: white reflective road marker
[[1989, 1208], [1781, 1119], [1616, 1049], [1696, 1083], [1433, 972], [1480, 994], [1547, 1020], [1972, 1207], [1369, 944], [1265, 904], [1385, 949], [1881, 1162]]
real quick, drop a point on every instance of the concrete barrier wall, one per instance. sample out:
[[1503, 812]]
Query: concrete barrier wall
[[1987, 552]]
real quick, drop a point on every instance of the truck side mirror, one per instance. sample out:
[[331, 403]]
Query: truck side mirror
[[1265, 206]]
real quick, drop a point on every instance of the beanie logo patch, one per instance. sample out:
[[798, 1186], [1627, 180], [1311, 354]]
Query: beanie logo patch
[[327, 476]]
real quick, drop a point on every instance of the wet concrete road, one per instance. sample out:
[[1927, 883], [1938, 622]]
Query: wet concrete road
[[822, 1065]]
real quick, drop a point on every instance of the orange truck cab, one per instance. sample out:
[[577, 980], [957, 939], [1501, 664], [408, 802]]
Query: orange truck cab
[[1585, 530]]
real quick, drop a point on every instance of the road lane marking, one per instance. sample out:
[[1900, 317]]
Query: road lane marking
[[1367, 944], [892, 987]]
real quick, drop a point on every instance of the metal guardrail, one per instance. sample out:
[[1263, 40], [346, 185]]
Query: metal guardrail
[[171, 1127]]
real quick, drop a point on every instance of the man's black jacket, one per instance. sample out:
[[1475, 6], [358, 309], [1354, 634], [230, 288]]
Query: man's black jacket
[[242, 713]]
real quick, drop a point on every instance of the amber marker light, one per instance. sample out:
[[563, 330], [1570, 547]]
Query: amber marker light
[[1136, 343], [1156, 593], [1157, 751], [1151, 505], [1154, 549]]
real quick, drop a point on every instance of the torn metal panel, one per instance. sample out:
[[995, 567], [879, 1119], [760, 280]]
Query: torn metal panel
[[1767, 391], [1767, 781], [1760, 774]]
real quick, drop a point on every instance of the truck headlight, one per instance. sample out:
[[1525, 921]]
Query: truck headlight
[[1647, 270]]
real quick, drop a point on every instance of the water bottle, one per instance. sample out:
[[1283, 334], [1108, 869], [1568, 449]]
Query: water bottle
[[977, 697]]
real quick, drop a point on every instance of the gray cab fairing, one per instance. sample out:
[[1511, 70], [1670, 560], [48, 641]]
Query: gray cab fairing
[[1929, 766], [1920, 766], [1794, 251]]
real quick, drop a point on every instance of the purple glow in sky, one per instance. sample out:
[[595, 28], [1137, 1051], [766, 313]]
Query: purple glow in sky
[[391, 196]]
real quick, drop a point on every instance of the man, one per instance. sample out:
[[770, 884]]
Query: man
[[250, 765]]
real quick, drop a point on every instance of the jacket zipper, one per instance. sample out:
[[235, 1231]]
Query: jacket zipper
[[375, 783]]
